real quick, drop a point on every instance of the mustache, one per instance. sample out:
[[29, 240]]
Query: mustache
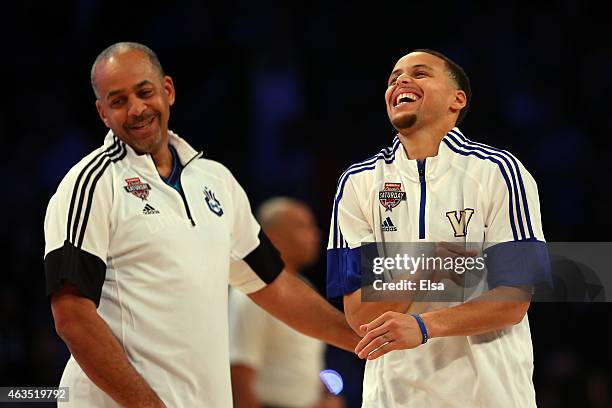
[[139, 120]]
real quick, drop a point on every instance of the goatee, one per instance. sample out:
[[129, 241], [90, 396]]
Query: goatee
[[404, 121]]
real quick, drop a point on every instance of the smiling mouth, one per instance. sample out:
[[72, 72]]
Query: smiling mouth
[[405, 97], [143, 125]]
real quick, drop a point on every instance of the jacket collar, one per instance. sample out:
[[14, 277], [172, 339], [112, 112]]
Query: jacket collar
[[144, 162], [434, 167]]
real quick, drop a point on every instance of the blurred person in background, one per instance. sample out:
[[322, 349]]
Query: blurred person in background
[[142, 238], [272, 365]]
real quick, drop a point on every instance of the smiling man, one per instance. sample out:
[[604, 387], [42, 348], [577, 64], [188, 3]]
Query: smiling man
[[142, 238], [435, 185]]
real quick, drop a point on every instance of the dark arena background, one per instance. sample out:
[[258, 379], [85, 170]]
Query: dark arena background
[[288, 96]]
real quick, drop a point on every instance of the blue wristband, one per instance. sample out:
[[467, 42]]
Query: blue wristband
[[421, 326]]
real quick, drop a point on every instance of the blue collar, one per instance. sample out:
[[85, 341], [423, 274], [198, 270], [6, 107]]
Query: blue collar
[[173, 179]]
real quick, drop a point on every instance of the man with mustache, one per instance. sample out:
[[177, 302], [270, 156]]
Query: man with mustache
[[142, 238], [435, 185]]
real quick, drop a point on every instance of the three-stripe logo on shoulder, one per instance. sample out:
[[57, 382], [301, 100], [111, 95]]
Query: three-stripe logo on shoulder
[[387, 155], [518, 206], [387, 225], [84, 187]]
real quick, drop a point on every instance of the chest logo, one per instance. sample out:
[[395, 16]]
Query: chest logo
[[213, 203], [149, 210], [459, 221], [391, 195], [387, 225], [138, 188]]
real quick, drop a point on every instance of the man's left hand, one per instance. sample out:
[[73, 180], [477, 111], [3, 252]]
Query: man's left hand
[[390, 331]]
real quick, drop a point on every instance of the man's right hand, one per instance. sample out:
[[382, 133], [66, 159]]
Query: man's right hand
[[97, 350]]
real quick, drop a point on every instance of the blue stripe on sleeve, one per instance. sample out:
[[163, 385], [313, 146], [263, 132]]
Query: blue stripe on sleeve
[[504, 175], [343, 271], [370, 164], [388, 153], [337, 203], [518, 263], [510, 170], [518, 173]]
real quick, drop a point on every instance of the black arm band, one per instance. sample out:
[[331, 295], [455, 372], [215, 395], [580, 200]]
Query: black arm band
[[265, 260], [84, 270]]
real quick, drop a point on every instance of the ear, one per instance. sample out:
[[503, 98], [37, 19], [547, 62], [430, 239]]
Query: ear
[[169, 89], [101, 113], [459, 100]]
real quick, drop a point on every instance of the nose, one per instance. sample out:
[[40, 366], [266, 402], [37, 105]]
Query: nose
[[404, 78], [136, 107]]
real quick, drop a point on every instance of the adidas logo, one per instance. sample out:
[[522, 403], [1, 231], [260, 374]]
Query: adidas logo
[[387, 225], [148, 209]]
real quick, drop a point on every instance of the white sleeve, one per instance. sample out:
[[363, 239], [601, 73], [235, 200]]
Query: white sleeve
[[349, 228], [248, 325], [514, 207], [254, 261], [514, 242], [77, 229]]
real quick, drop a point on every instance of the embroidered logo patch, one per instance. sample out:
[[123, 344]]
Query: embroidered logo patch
[[391, 195], [213, 203], [460, 220], [138, 188]]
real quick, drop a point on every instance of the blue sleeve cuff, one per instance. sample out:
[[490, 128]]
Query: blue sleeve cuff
[[343, 271], [518, 263]]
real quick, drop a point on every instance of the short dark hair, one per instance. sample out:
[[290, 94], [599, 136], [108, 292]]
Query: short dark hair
[[120, 47], [458, 75]]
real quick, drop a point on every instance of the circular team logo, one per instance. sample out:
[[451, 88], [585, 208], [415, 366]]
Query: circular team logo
[[391, 195]]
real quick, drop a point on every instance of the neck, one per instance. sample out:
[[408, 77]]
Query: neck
[[163, 160], [422, 142]]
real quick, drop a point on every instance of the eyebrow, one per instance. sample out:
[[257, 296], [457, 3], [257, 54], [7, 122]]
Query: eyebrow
[[397, 71], [138, 85]]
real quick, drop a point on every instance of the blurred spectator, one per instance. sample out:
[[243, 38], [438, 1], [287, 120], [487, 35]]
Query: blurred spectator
[[273, 365]]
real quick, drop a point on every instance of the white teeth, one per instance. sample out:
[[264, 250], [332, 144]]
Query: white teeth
[[410, 95], [142, 125]]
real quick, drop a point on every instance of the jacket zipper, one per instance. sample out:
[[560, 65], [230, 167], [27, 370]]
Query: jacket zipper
[[421, 170], [182, 193]]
